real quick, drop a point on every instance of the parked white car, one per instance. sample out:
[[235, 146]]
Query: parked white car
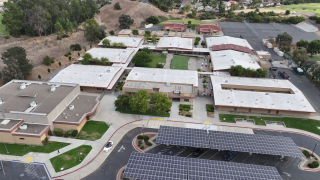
[[108, 146]]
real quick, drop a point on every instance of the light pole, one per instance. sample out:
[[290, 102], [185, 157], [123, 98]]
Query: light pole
[[314, 148], [79, 154], [6, 147]]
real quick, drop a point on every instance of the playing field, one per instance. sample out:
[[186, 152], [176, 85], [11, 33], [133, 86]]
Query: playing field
[[2, 27], [179, 62], [155, 60], [312, 7]]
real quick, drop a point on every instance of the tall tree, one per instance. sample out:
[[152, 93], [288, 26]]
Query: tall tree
[[122, 102], [17, 64], [300, 56], [308, 64], [35, 17], [153, 20], [139, 101], [284, 39], [12, 18], [161, 102], [125, 21], [106, 42], [91, 30], [117, 6], [86, 58], [141, 58], [58, 29], [314, 47], [302, 43]]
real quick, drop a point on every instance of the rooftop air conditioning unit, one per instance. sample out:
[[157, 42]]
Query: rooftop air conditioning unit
[[23, 127], [71, 107], [23, 86], [33, 104], [53, 88], [1, 101]]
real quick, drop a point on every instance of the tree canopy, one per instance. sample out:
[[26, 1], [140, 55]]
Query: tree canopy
[[17, 64], [241, 71], [284, 39], [141, 58], [117, 6], [164, 5], [153, 20], [39, 17], [161, 102], [302, 43], [125, 21], [92, 30], [314, 47], [122, 101], [299, 56], [139, 101]]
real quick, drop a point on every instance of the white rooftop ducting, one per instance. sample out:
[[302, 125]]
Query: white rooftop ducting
[[1, 101], [23, 127], [71, 107], [23, 86], [53, 88]]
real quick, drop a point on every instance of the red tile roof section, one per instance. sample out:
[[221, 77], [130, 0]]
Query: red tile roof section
[[231, 47], [177, 27], [204, 27]]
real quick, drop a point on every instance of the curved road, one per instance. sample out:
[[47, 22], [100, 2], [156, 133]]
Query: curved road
[[121, 153]]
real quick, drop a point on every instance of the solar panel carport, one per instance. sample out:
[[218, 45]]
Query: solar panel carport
[[145, 166], [221, 140]]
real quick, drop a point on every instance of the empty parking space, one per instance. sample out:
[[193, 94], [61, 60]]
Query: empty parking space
[[264, 132]]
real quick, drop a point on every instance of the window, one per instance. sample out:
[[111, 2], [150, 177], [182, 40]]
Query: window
[[21, 138], [186, 100], [98, 88]]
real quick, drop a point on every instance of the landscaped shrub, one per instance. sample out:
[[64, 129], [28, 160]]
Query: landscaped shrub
[[75, 47], [188, 115], [67, 134], [74, 133], [306, 153], [314, 164], [146, 138], [140, 137], [184, 107], [50, 132], [142, 147], [58, 132], [148, 143], [209, 108], [139, 143]]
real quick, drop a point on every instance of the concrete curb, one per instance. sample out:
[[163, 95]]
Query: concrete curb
[[120, 171], [143, 151], [99, 151], [309, 169]]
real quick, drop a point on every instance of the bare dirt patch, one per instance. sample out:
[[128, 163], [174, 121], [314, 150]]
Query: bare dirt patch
[[137, 10], [67, 157]]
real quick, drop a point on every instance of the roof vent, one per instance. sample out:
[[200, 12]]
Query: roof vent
[[23, 86], [71, 107], [2, 101], [6, 121], [53, 88], [226, 81], [267, 93], [23, 127], [108, 70]]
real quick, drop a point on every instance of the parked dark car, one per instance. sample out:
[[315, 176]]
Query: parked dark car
[[198, 152], [283, 74], [270, 60], [229, 155], [273, 68]]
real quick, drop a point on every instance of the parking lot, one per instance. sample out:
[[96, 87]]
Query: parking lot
[[15, 170]]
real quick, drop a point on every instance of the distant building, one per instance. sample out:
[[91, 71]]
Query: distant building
[[208, 29], [178, 85], [129, 42], [175, 43], [125, 33], [179, 27]]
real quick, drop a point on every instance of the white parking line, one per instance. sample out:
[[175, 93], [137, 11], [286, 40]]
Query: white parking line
[[204, 153], [190, 154], [290, 162], [214, 154], [2, 168], [245, 159]]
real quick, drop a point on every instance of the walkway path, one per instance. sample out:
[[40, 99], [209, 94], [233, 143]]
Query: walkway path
[[120, 124], [168, 60]]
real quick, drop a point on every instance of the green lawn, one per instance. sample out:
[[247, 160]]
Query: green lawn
[[179, 62], [2, 27], [70, 158], [316, 58], [185, 21], [20, 150], [154, 113], [300, 7], [93, 130], [155, 60], [309, 125]]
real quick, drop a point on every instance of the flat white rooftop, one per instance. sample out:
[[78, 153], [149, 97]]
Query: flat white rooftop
[[87, 75], [263, 53], [114, 55], [211, 41], [223, 60], [261, 99], [127, 41], [163, 75], [175, 43]]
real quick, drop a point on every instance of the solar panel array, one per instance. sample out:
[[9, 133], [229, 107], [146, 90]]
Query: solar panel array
[[254, 143], [145, 166], [201, 169], [183, 137]]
